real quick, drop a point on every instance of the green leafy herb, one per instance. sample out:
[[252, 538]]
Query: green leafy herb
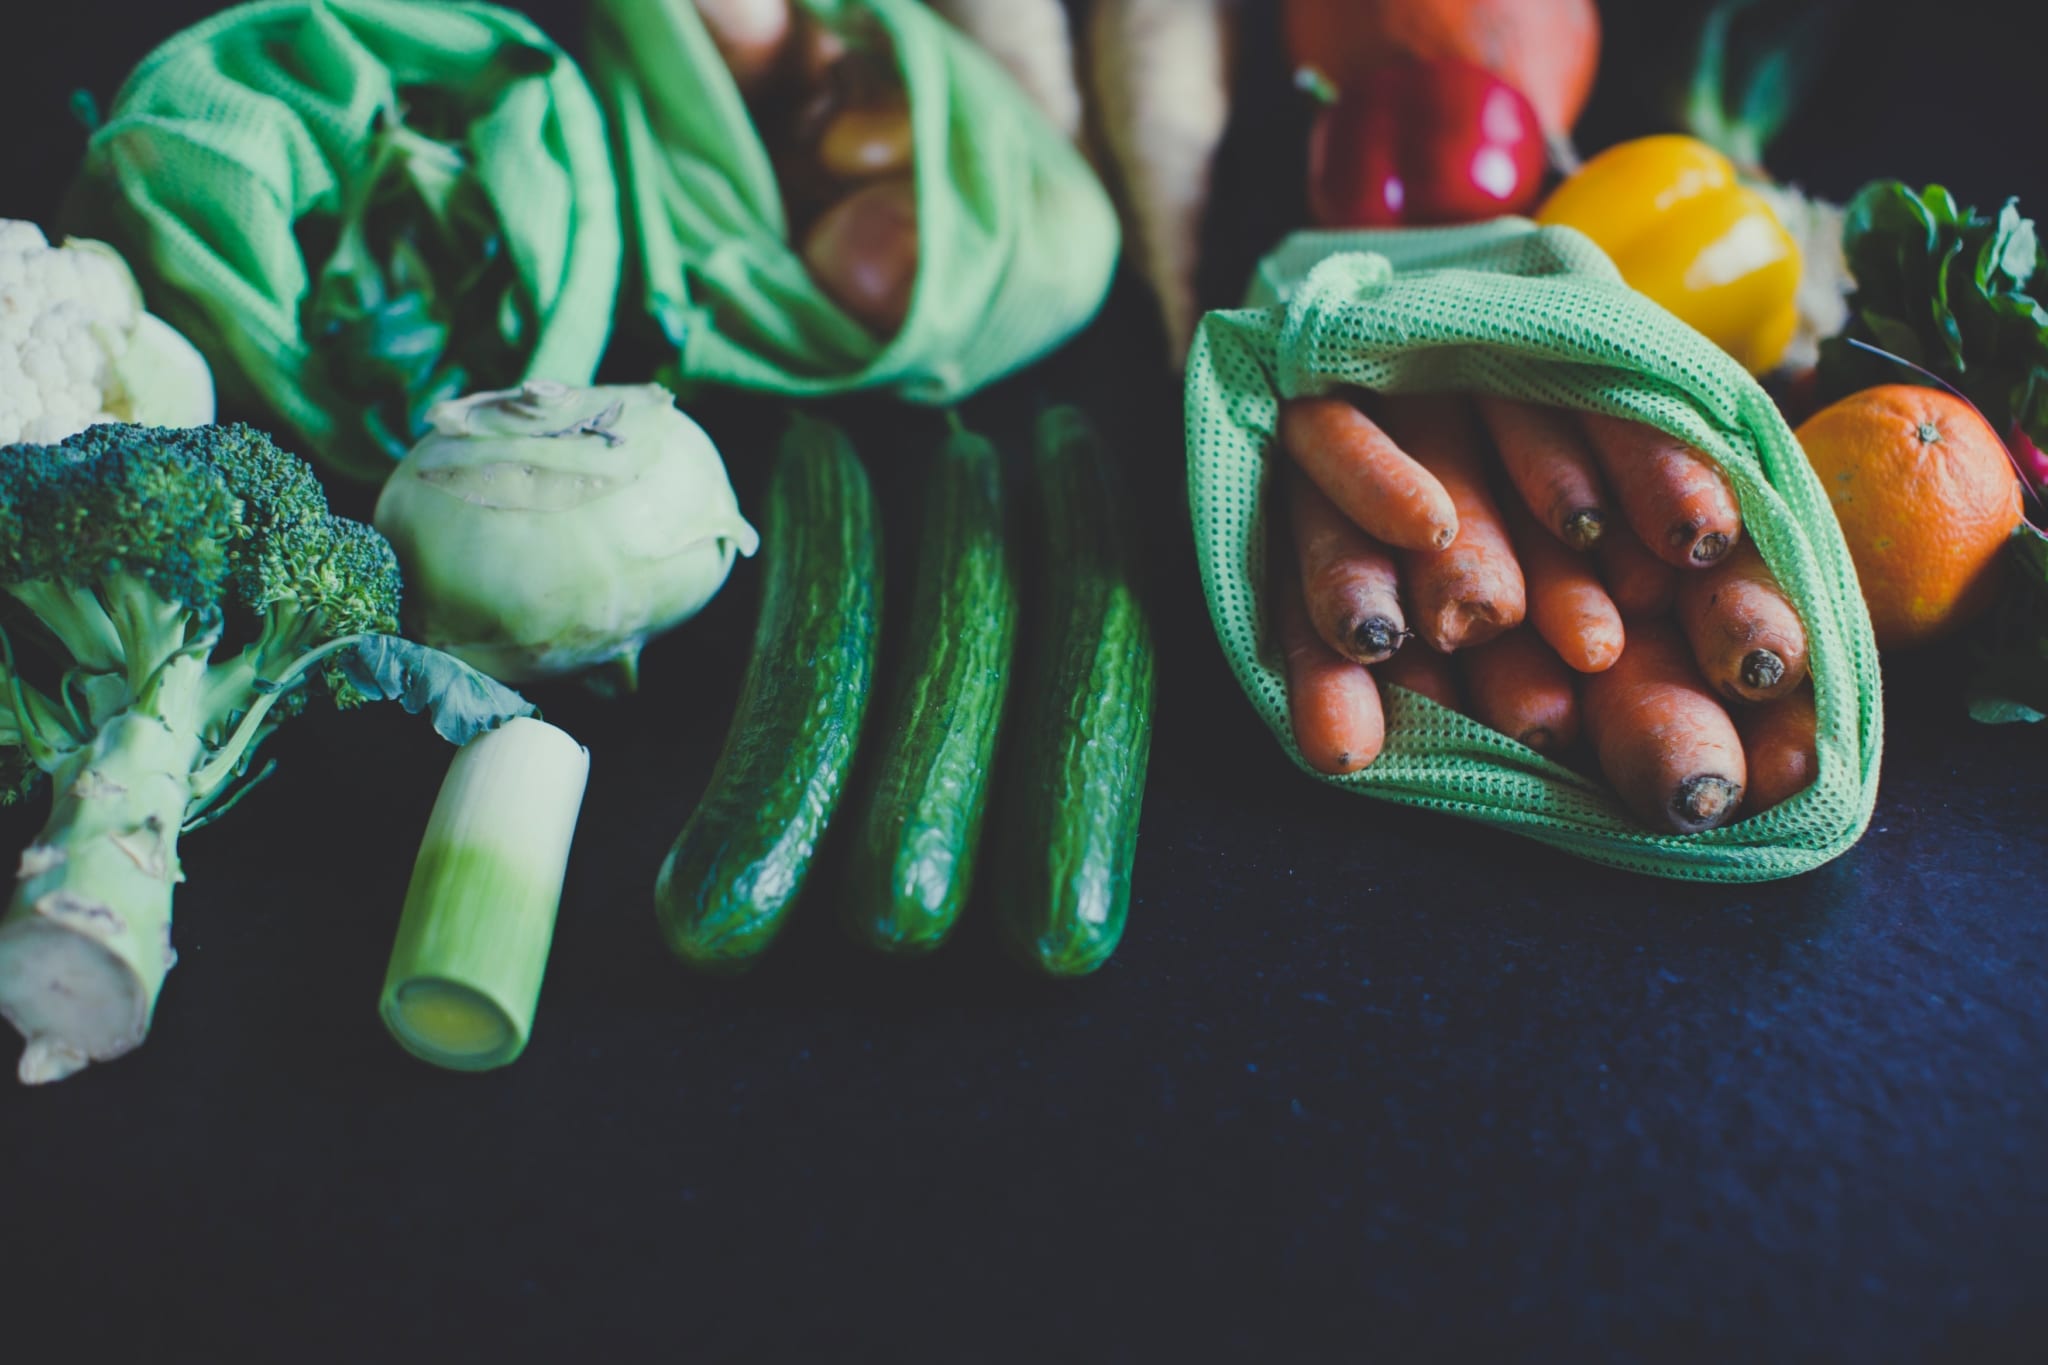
[[1947, 288], [416, 298]]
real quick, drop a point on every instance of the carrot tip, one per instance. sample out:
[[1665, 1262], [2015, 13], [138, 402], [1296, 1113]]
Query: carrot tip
[[1377, 637], [1446, 537], [1704, 802], [1709, 548], [1583, 528], [1762, 669]]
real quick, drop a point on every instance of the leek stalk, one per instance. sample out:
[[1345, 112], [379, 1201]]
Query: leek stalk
[[479, 916]]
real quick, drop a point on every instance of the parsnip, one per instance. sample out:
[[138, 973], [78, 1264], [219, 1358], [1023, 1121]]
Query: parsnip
[[1159, 73], [1032, 41]]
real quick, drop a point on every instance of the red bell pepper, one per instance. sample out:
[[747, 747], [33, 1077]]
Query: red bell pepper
[[1417, 142]]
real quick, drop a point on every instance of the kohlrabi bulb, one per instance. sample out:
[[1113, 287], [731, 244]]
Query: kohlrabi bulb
[[545, 529]]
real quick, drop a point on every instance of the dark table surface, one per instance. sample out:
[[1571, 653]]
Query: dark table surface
[[1362, 1082]]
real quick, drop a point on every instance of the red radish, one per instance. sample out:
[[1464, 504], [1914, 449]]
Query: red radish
[[1425, 142], [2031, 459]]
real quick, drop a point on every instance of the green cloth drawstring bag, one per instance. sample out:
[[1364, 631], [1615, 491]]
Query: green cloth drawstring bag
[[1538, 313], [1017, 238], [459, 140]]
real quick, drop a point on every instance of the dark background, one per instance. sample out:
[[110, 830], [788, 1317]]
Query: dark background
[[1362, 1083]]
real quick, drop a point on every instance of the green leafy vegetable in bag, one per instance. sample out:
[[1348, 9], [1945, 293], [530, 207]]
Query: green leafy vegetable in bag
[[1538, 313], [359, 208]]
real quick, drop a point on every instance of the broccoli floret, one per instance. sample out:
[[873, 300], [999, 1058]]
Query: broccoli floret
[[175, 594]]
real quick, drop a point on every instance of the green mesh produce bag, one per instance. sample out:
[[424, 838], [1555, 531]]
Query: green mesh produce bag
[[237, 137], [1017, 239], [1537, 313]]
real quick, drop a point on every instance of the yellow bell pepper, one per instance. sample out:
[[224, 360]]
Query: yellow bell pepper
[[1680, 225]]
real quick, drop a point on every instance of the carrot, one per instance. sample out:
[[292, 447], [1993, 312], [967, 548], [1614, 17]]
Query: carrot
[[1547, 461], [1522, 689], [1333, 704], [1567, 605], [1425, 672], [1676, 499], [1780, 746], [1472, 591], [1640, 583], [1348, 578], [1664, 742], [1159, 74], [1371, 479], [1744, 632]]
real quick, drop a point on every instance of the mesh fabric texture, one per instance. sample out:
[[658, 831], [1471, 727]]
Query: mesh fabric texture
[[1509, 308], [233, 130], [1017, 238]]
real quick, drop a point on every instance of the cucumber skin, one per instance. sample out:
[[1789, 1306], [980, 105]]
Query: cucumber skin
[[915, 850], [1078, 750], [728, 882]]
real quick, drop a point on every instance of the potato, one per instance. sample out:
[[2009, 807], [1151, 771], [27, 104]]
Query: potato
[[863, 253]]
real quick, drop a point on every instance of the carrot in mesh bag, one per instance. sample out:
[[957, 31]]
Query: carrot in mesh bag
[[1569, 608], [1471, 590], [1679, 503], [1333, 704], [1639, 583], [1521, 688], [1779, 748], [1349, 581], [1744, 634], [1426, 673], [1538, 315], [1668, 747], [1547, 460], [1383, 489]]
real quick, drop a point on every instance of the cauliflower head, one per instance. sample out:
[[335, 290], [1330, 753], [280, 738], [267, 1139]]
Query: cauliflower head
[[77, 349]]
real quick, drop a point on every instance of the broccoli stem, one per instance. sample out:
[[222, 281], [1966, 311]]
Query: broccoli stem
[[86, 939], [78, 619]]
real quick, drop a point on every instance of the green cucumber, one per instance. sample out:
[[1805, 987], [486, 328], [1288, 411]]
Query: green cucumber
[[914, 850], [1073, 770], [727, 885]]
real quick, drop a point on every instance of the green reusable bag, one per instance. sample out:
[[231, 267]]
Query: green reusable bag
[[1538, 313], [1017, 238], [490, 244]]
